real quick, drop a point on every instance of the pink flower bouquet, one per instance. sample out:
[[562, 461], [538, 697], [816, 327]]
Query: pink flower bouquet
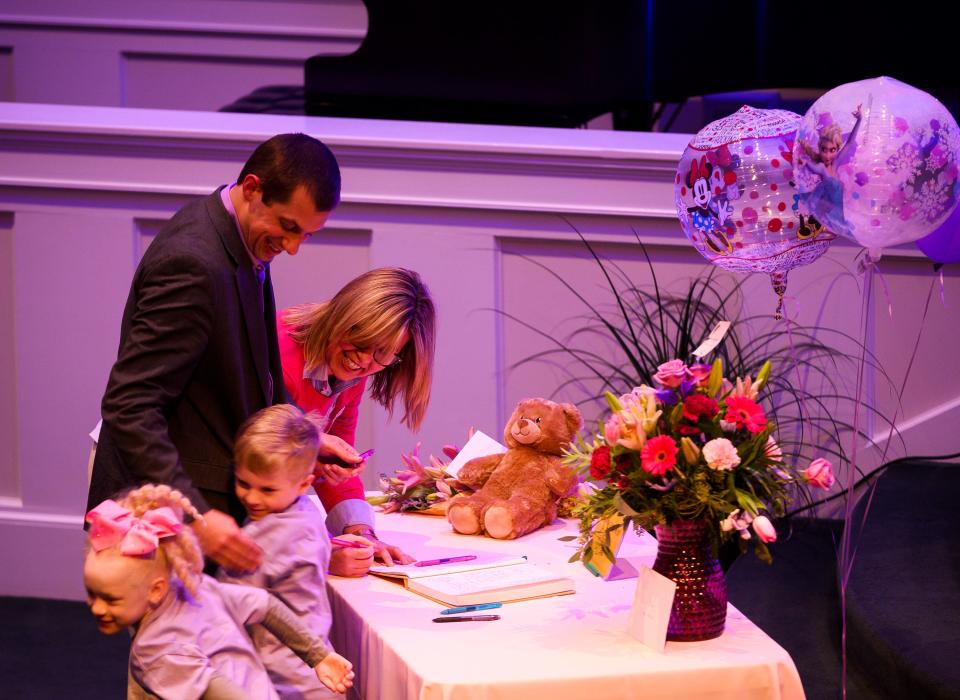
[[696, 447]]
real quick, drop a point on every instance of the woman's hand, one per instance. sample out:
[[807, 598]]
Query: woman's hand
[[350, 561], [334, 474], [387, 553], [337, 460]]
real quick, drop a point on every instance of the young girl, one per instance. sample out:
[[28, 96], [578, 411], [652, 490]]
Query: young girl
[[825, 201], [143, 571], [274, 457]]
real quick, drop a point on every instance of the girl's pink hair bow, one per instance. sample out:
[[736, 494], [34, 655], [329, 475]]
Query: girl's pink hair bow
[[111, 523]]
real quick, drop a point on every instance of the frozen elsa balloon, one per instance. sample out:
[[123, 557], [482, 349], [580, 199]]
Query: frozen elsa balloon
[[877, 162], [826, 198]]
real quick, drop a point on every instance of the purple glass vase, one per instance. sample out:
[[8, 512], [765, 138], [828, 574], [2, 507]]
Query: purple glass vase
[[685, 555]]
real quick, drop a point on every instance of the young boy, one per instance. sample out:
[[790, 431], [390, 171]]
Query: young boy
[[274, 458]]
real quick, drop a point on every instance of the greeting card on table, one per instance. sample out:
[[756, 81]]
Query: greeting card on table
[[479, 445], [650, 613], [609, 533]]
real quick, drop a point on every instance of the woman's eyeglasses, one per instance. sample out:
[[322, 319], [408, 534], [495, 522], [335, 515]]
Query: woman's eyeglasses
[[382, 357]]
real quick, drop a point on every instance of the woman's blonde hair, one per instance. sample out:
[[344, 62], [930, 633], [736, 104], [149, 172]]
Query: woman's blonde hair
[[181, 552], [278, 437], [375, 310]]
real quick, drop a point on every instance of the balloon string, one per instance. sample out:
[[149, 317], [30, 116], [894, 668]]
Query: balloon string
[[848, 548], [871, 263], [943, 296], [886, 291], [846, 555]]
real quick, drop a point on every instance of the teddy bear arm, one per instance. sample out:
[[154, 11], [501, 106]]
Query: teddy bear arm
[[476, 472], [560, 479]]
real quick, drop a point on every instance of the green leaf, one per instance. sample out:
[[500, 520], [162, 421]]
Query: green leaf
[[608, 553], [748, 502], [567, 538]]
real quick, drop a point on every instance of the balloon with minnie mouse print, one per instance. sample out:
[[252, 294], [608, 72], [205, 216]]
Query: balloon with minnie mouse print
[[737, 200]]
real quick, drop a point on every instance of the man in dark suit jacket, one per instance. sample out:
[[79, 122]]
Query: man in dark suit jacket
[[198, 343]]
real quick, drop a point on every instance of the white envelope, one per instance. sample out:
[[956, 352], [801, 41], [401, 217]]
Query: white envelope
[[650, 614], [480, 445]]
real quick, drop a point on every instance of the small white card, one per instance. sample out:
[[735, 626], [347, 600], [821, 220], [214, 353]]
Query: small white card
[[712, 340], [480, 445], [650, 614]]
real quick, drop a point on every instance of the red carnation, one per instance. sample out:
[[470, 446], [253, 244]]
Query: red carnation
[[600, 463], [697, 405]]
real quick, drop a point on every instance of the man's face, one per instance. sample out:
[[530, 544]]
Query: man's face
[[279, 227]]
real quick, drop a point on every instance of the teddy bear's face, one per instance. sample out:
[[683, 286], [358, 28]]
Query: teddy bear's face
[[542, 425]]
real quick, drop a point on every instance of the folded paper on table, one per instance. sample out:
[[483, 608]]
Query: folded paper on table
[[610, 532], [479, 445], [489, 578]]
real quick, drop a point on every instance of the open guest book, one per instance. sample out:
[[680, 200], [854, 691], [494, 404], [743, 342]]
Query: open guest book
[[487, 579]]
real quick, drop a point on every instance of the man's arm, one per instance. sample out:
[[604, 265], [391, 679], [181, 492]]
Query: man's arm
[[168, 332]]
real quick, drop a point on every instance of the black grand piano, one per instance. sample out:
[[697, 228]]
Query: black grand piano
[[561, 64]]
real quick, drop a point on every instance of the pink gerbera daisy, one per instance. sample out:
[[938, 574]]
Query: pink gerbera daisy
[[659, 455], [746, 413]]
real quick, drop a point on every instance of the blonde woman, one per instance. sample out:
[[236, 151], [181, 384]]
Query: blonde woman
[[380, 329]]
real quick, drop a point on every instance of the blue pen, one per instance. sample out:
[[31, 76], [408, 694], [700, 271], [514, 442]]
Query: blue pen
[[471, 608]]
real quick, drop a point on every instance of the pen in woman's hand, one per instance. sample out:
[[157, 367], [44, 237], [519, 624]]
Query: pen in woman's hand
[[336, 541]]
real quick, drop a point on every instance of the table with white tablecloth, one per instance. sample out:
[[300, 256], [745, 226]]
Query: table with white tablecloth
[[558, 648]]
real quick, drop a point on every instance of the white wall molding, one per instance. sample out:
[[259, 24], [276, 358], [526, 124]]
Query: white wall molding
[[408, 164]]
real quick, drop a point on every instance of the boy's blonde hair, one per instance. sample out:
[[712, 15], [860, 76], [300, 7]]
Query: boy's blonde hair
[[375, 310], [180, 554], [279, 437]]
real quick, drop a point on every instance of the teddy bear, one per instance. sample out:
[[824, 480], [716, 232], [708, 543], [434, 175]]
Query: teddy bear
[[517, 492]]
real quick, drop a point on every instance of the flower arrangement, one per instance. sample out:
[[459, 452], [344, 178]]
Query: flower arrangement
[[698, 447], [627, 322], [418, 487]]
